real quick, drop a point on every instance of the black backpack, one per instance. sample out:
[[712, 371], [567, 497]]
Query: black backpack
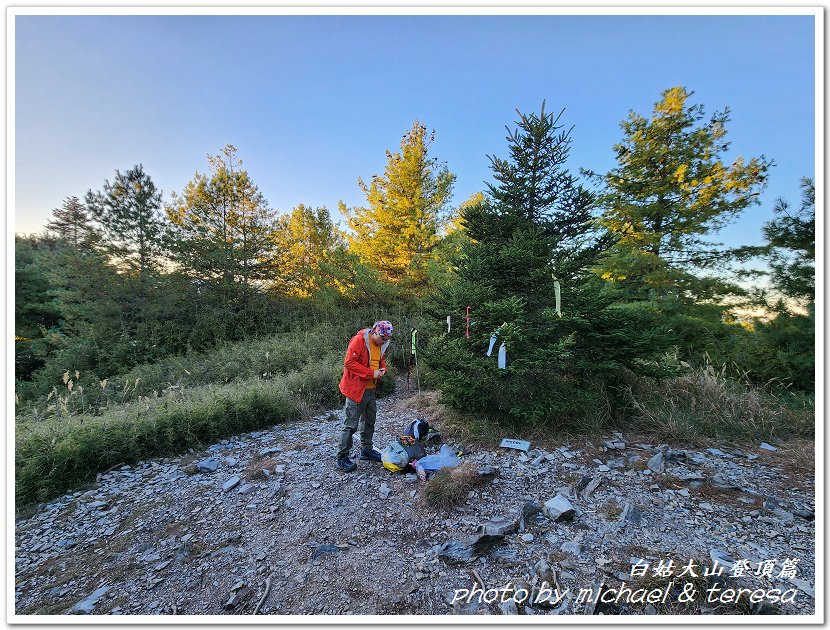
[[418, 429]]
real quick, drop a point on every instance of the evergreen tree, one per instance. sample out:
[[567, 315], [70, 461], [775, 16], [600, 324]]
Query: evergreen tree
[[397, 232], [128, 211], [669, 190], [72, 223], [305, 241], [791, 248], [534, 229], [36, 314], [784, 347], [221, 229]]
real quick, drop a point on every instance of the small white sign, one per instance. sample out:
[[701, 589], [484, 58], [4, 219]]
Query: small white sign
[[519, 445]]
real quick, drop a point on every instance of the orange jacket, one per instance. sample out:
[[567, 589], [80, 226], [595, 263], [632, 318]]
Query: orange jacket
[[357, 371]]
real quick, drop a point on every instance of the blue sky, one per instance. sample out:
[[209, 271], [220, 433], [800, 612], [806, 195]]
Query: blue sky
[[313, 102]]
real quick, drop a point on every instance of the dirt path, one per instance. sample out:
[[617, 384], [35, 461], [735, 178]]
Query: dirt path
[[163, 538]]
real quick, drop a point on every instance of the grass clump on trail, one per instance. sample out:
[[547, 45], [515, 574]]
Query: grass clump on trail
[[450, 486]]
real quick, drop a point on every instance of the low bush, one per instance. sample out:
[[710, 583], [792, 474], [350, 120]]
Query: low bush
[[57, 454]]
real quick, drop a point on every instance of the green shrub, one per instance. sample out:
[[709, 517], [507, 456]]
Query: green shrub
[[54, 455]]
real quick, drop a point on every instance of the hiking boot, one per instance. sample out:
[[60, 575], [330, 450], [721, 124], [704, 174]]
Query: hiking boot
[[345, 464], [371, 454]]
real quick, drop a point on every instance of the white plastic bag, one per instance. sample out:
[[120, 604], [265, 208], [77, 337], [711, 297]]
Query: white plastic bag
[[394, 457]]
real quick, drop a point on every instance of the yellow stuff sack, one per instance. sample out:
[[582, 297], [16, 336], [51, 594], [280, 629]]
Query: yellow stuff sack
[[394, 457]]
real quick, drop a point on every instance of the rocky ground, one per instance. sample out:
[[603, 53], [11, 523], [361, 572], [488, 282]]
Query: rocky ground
[[276, 529]]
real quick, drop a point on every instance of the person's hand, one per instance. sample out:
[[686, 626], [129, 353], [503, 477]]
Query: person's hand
[[379, 373]]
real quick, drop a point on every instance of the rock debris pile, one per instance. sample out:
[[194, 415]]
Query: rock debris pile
[[264, 522]]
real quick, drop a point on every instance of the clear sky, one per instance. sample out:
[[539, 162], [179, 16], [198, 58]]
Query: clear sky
[[313, 102]]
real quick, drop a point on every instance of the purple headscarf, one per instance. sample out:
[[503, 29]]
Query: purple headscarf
[[383, 328]]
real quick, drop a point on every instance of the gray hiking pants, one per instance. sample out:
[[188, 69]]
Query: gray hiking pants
[[363, 414]]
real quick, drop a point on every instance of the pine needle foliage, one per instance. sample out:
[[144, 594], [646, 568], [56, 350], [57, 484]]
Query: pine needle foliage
[[534, 228], [398, 231]]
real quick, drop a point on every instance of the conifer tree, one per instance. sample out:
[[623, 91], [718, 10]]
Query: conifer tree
[[534, 229], [305, 242], [670, 190], [791, 245], [128, 211], [398, 230], [72, 223], [221, 229]]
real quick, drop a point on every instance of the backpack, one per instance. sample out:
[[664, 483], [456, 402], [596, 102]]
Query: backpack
[[418, 429]]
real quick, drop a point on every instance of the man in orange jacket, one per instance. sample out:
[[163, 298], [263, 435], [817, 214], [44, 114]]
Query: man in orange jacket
[[364, 365]]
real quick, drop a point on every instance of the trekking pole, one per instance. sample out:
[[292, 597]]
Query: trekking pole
[[415, 357], [408, 363]]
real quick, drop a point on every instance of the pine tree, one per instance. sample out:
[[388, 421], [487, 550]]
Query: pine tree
[[221, 230], [72, 223], [784, 348], [534, 229], [398, 230], [791, 245], [305, 242], [128, 211], [669, 190]]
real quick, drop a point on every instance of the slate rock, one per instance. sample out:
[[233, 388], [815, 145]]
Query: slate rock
[[237, 597], [592, 485], [85, 606], [324, 549], [572, 547], [462, 551], [208, 465], [498, 526], [487, 473], [719, 481], [768, 447], [231, 483], [532, 514], [559, 509], [723, 558], [805, 514], [657, 463], [631, 514]]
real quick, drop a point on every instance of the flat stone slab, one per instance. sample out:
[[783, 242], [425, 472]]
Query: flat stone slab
[[558, 509], [231, 483], [208, 465], [85, 606]]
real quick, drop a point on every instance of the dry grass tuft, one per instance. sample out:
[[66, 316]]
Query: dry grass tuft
[[425, 404], [796, 457], [451, 485], [705, 403], [611, 510], [253, 471]]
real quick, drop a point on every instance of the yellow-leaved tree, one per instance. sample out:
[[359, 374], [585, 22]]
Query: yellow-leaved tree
[[398, 231], [306, 243], [669, 190]]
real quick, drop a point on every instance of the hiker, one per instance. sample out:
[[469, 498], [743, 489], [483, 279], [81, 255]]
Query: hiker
[[365, 364]]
